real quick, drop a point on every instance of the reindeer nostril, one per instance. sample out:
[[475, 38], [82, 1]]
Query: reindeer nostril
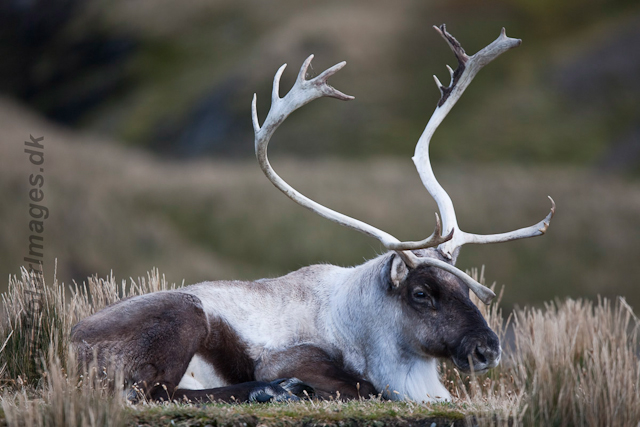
[[479, 354]]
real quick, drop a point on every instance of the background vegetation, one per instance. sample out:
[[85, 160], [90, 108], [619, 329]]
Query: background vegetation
[[144, 108]]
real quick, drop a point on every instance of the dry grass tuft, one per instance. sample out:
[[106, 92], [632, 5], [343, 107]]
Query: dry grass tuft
[[66, 397], [38, 317], [571, 362], [578, 362], [42, 384]]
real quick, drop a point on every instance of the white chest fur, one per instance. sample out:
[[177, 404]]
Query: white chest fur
[[200, 375]]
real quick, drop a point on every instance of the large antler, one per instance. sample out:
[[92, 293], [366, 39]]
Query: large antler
[[468, 67], [303, 92]]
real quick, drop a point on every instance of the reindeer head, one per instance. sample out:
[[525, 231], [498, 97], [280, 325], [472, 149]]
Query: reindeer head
[[438, 317], [434, 291]]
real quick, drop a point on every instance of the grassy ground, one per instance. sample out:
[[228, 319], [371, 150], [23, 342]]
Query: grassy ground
[[573, 362], [361, 413]]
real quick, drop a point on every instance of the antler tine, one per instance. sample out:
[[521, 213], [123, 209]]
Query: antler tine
[[454, 44], [450, 73], [302, 74], [303, 92], [435, 239], [461, 77], [439, 84], [254, 114], [275, 91], [330, 90], [537, 229]]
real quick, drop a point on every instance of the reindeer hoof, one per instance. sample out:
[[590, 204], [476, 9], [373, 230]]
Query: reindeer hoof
[[281, 390], [295, 387]]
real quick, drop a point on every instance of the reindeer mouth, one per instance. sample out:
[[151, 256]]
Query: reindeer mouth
[[479, 361], [478, 354]]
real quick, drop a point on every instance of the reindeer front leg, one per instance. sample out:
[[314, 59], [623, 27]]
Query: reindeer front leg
[[279, 390], [315, 367]]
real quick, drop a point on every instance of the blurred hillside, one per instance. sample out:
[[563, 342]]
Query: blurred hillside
[[178, 77], [119, 209], [144, 107]]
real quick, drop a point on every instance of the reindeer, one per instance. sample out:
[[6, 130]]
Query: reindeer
[[323, 330]]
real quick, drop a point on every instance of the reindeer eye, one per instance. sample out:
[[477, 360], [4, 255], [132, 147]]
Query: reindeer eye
[[422, 297]]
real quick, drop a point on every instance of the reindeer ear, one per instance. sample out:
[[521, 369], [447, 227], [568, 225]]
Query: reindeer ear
[[454, 256], [399, 271]]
